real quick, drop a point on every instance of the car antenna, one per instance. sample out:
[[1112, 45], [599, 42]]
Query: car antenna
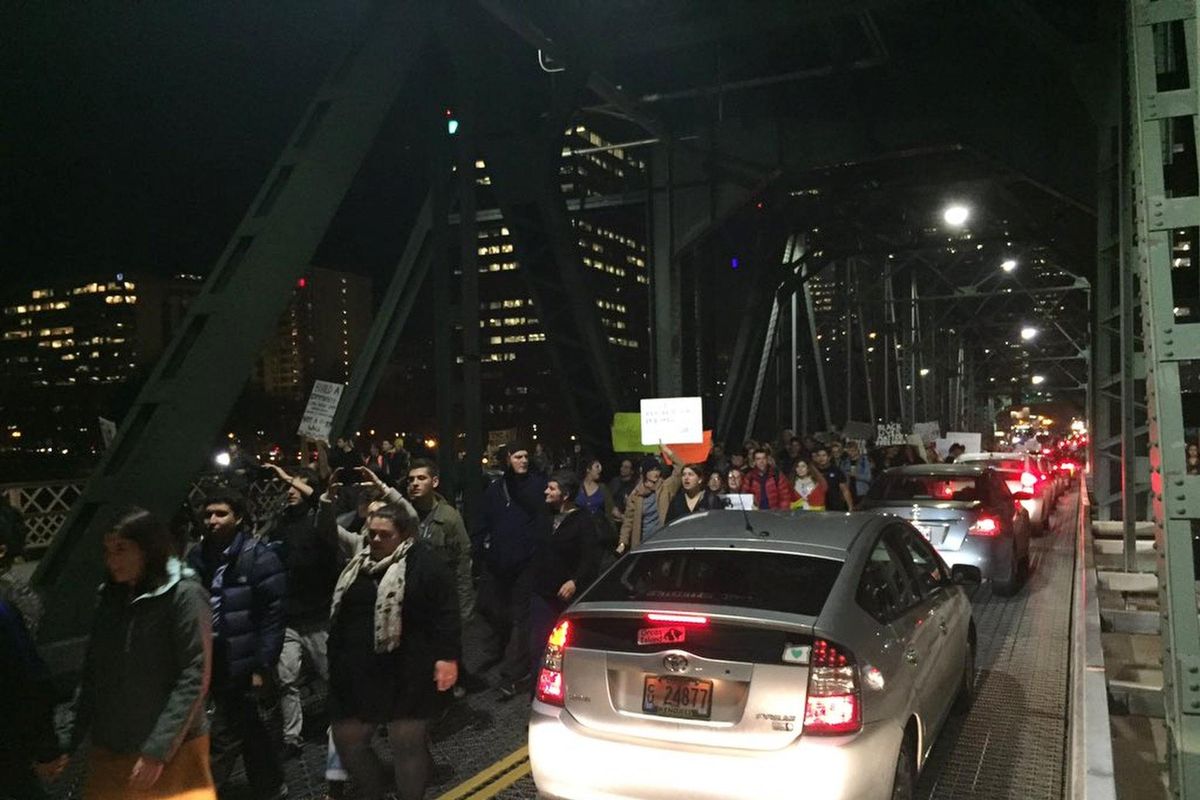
[[746, 517]]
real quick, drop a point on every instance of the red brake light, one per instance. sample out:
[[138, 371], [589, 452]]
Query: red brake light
[[985, 526], [550, 685], [682, 619], [832, 706]]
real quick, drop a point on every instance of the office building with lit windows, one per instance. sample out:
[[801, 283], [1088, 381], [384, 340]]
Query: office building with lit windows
[[318, 336], [518, 384]]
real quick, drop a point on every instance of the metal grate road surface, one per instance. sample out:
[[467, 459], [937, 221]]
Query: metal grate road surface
[[1012, 744]]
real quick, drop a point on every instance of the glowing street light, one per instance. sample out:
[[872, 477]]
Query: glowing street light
[[924, 371], [1008, 264], [223, 459], [1028, 333], [956, 214], [1037, 380]]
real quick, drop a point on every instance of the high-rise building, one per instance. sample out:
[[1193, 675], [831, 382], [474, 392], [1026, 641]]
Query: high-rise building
[[318, 336], [93, 332], [68, 352], [518, 383]]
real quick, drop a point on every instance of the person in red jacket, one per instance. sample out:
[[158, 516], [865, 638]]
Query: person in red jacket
[[770, 489]]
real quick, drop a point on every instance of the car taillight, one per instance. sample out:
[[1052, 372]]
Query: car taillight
[[550, 685], [833, 705], [985, 526], [1028, 479]]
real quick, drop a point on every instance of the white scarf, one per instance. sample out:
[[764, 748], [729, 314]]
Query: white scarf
[[389, 596]]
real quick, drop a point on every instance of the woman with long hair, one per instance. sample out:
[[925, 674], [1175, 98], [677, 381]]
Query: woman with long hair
[[808, 487], [394, 643], [146, 672]]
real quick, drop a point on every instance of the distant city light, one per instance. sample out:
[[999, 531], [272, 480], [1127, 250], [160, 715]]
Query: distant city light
[[1037, 380], [956, 214], [430, 443], [1008, 264], [1028, 333], [733, 262], [223, 459], [924, 371]]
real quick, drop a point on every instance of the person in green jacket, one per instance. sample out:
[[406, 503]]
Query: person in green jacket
[[442, 527], [147, 671]]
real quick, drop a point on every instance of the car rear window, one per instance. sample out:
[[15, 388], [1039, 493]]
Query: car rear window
[[793, 584], [889, 488], [1002, 464]]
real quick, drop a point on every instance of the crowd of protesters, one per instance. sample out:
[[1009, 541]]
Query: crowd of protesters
[[366, 577]]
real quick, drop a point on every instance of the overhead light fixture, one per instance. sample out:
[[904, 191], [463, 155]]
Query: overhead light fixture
[[1037, 380], [1028, 333], [1008, 264], [956, 214]]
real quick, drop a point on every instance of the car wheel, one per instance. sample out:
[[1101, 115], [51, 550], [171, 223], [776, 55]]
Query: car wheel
[[966, 686], [904, 784]]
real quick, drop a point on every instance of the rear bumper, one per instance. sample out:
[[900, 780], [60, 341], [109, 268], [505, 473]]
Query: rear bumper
[[570, 762], [993, 556]]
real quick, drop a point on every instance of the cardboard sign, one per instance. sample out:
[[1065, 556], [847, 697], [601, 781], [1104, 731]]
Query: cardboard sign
[[318, 414], [693, 453], [739, 502], [672, 420]]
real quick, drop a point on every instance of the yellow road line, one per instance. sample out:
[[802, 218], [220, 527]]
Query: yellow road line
[[493, 779]]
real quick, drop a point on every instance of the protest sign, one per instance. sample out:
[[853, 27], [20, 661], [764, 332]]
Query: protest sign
[[973, 442], [890, 434], [928, 431], [108, 431], [627, 434], [318, 414], [672, 420]]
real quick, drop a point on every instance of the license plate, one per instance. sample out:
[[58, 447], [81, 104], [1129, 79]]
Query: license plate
[[683, 698], [932, 533]]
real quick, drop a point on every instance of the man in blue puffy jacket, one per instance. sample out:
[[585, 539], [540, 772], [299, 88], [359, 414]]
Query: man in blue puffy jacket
[[505, 539], [247, 586]]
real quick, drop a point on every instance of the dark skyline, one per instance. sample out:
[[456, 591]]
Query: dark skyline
[[135, 135]]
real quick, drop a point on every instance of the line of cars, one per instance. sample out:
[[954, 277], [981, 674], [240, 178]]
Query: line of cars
[[768, 655]]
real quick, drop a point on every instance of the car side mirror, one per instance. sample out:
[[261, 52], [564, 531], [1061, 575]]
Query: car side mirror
[[966, 575], [1019, 496]]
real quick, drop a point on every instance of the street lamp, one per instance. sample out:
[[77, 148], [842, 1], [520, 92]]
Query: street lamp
[[924, 371], [1028, 333], [1037, 380], [956, 214], [1008, 264]]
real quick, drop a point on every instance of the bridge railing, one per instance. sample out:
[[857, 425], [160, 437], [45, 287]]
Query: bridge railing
[[43, 505]]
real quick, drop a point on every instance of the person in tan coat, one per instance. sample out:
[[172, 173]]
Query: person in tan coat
[[646, 507]]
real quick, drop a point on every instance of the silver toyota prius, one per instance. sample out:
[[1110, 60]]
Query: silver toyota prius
[[967, 513], [756, 655]]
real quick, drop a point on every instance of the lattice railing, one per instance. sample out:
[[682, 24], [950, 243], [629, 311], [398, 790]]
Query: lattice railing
[[44, 504]]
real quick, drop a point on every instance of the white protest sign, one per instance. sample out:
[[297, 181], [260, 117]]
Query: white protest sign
[[928, 431], [108, 431], [672, 420], [318, 414], [973, 442], [740, 502]]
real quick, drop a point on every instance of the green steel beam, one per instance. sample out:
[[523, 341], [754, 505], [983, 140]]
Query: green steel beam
[[1162, 206], [166, 436]]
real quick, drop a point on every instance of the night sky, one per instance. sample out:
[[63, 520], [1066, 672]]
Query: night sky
[[134, 135]]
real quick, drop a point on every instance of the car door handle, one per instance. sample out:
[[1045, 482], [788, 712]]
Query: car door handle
[[911, 656]]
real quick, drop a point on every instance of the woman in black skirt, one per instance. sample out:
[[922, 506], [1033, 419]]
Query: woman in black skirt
[[394, 644]]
